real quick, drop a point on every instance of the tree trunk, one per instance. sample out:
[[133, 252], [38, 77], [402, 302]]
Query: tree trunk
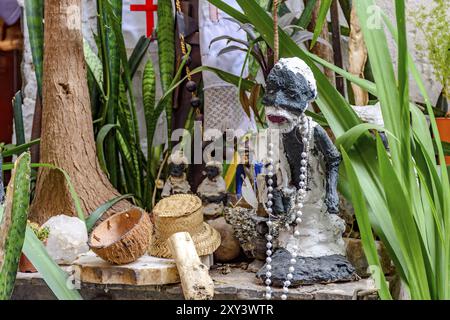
[[67, 139], [357, 57]]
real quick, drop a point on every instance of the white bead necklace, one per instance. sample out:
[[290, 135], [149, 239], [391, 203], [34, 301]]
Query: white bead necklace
[[306, 134]]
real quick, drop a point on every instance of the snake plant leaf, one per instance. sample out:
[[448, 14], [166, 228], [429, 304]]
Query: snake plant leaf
[[95, 66], [100, 142], [34, 11], [18, 118], [12, 224], [148, 93], [138, 54], [166, 51]]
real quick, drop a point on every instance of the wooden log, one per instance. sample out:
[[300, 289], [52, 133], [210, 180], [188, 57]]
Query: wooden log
[[195, 279]]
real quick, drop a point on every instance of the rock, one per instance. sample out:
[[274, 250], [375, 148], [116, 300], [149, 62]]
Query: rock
[[229, 248], [67, 239], [309, 270], [255, 266], [355, 254]]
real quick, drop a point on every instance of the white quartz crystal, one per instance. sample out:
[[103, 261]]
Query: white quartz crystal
[[68, 238]]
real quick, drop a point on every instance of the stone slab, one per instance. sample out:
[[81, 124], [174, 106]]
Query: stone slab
[[231, 283], [147, 270]]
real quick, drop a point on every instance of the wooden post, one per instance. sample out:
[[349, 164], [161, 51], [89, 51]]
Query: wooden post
[[195, 280]]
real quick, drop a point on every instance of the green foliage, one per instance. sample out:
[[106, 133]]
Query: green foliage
[[434, 23], [34, 11], [321, 19], [148, 93], [18, 118], [56, 278], [166, 50], [404, 190], [41, 233], [12, 224]]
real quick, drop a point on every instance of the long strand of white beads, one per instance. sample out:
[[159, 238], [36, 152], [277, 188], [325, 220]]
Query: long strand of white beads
[[306, 134], [269, 204]]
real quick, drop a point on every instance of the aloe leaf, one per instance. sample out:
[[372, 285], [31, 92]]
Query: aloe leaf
[[13, 223], [2, 187]]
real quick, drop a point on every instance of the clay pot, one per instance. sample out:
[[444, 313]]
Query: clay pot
[[122, 238], [443, 125], [25, 265]]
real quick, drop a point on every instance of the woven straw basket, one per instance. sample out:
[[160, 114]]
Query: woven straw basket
[[181, 213]]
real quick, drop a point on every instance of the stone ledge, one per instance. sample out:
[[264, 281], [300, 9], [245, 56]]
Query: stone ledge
[[238, 284]]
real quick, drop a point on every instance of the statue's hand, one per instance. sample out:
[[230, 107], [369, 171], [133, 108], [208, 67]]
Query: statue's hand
[[332, 202]]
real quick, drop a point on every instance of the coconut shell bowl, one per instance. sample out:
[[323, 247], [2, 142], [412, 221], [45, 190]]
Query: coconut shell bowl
[[123, 237]]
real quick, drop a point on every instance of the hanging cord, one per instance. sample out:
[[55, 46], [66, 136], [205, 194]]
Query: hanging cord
[[182, 41], [184, 52], [276, 40]]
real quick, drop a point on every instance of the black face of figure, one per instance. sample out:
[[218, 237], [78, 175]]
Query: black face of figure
[[176, 170], [212, 172], [287, 90]]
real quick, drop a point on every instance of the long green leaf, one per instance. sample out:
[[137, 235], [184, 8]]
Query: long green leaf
[[73, 193], [100, 142], [166, 52], [97, 214], [138, 54], [10, 150], [34, 11], [348, 139], [321, 18], [57, 280], [362, 216], [18, 118]]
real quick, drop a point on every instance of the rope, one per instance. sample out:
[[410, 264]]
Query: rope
[[276, 41], [182, 41]]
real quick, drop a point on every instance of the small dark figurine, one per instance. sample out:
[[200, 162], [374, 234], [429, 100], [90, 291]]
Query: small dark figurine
[[300, 186], [213, 190], [176, 182]]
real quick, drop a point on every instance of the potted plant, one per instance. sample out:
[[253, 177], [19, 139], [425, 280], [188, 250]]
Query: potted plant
[[42, 234], [434, 23]]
